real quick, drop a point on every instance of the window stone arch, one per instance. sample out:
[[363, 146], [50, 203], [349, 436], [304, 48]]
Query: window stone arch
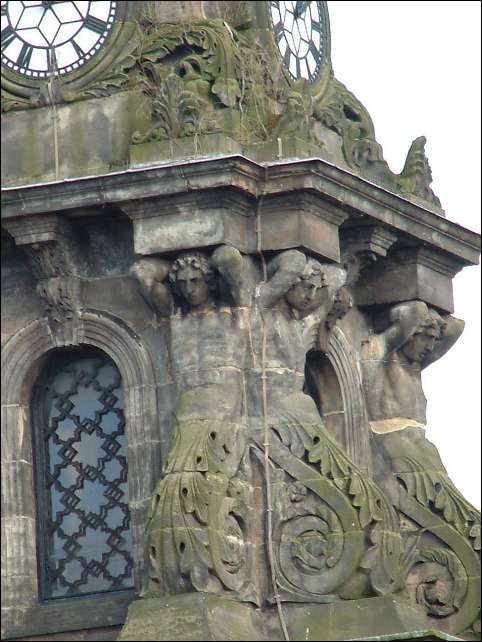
[[23, 356], [335, 383]]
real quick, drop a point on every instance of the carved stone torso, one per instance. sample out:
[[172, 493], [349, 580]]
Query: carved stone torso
[[208, 352], [392, 384], [288, 339]]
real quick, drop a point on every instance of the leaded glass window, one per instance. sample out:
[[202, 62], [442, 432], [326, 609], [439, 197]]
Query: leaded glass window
[[81, 476]]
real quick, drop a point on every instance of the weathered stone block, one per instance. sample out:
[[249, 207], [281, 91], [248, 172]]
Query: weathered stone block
[[98, 143], [412, 273], [13, 447], [194, 616], [208, 617], [17, 487], [192, 220], [145, 154], [282, 148], [301, 220]]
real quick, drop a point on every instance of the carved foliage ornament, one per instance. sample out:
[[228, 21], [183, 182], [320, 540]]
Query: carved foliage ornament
[[55, 52], [219, 67]]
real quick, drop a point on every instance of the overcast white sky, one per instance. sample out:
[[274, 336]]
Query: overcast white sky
[[416, 68]]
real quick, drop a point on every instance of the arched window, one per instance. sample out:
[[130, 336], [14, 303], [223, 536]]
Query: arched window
[[80, 447], [334, 382]]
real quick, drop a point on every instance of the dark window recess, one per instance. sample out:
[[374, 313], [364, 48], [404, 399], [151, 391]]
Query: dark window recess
[[81, 477]]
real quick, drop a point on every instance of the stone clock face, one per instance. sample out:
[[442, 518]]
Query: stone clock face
[[43, 39], [301, 33]]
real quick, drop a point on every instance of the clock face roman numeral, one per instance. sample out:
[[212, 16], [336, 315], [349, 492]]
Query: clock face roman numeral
[[78, 49], [8, 36], [313, 50], [95, 24], [52, 61], [24, 56], [316, 26], [287, 58]]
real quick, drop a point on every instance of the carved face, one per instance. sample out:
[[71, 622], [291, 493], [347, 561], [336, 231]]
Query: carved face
[[420, 345], [193, 287], [307, 295], [432, 585]]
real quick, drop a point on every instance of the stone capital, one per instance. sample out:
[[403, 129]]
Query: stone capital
[[367, 238]]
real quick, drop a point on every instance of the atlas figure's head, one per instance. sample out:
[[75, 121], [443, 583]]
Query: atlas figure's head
[[423, 340], [193, 279], [306, 294]]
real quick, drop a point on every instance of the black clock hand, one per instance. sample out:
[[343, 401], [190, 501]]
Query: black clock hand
[[300, 8]]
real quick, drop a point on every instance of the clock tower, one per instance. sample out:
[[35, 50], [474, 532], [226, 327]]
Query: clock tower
[[217, 303]]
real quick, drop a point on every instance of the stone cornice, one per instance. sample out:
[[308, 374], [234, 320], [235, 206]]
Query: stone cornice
[[358, 197]]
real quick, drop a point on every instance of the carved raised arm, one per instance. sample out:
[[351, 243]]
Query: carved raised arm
[[451, 330], [231, 265], [283, 272], [150, 274], [403, 322]]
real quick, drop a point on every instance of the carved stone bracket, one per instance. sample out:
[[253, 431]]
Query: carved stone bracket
[[410, 273], [192, 220], [362, 245], [47, 241], [301, 219], [368, 238]]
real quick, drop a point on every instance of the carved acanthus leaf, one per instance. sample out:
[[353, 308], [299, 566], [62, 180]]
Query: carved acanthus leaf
[[296, 119], [116, 79], [416, 175], [10, 102], [60, 295], [339, 110], [176, 112], [438, 581], [382, 559], [48, 259], [209, 46], [434, 489]]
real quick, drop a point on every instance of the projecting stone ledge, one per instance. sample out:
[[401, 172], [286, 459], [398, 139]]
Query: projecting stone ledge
[[199, 616]]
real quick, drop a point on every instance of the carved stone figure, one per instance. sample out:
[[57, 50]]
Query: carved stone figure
[[195, 540], [414, 336], [438, 524], [326, 510], [249, 441], [238, 358]]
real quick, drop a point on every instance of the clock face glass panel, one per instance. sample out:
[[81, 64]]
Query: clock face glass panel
[[299, 33], [43, 39]]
